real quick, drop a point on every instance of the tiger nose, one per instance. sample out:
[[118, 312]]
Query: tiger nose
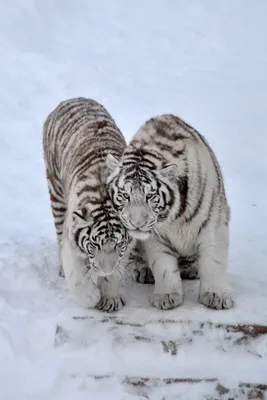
[[138, 219], [138, 224]]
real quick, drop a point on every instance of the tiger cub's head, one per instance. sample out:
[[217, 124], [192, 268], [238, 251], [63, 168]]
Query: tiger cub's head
[[101, 238], [141, 194]]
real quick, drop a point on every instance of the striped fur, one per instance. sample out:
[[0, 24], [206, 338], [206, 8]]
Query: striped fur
[[94, 245], [169, 192]]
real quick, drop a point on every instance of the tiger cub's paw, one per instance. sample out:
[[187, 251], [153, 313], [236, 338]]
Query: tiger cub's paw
[[111, 304]]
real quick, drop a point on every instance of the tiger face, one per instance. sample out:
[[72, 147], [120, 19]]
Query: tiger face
[[142, 197], [101, 239]]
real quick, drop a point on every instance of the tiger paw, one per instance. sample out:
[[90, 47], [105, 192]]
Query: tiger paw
[[111, 304], [217, 301], [167, 301]]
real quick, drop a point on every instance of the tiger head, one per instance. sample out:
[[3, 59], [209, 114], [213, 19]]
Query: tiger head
[[141, 194], [101, 238]]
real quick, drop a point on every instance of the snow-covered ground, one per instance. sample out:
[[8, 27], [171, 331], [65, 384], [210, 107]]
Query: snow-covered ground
[[203, 60]]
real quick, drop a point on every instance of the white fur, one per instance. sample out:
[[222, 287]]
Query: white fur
[[188, 233], [166, 274], [213, 258], [88, 231], [87, 289], [213, 245], [111, 299]]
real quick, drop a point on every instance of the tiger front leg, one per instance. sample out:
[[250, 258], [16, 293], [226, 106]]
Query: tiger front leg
[[111, 299], [168, 292], [214, 291], [80, 283]]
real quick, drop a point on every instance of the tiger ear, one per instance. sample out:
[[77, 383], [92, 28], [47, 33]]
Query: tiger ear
[[80, 217], [112, 162], [169, 171]]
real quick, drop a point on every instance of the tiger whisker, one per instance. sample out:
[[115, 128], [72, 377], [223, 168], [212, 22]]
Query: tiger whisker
[[157, 233], [87, 276], [125, 273]]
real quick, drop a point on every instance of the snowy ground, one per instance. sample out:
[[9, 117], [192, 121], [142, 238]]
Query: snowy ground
[[203, 60]]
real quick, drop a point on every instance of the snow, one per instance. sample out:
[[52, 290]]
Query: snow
[[205, 61]]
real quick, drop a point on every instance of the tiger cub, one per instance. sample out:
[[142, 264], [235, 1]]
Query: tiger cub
[[94, 245], [168, 191]]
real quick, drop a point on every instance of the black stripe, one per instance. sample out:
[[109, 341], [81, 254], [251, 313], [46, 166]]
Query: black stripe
[[76, 235], [168, 252], [153, 154], [207, 219], [58, 190], [88, 188], [170, 202], [200, 201], [183, 191], [167, 130], [214, 161], [69, 119], [178, 153], [59, 209], [163, 146], [84, 238], [164, 199], [140, 153], [187, 261]]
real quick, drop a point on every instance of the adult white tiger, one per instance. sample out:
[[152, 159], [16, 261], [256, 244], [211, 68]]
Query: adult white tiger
[[168, 191], [94, 245]]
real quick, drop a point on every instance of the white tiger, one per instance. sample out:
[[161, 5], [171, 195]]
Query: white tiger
[[168, 191], [94, 245]]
